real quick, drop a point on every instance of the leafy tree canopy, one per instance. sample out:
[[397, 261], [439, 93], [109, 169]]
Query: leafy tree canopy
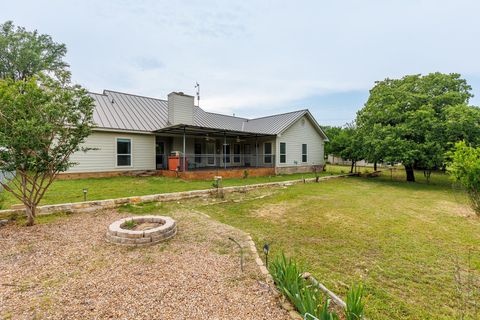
[[416, 119], [24, 54]]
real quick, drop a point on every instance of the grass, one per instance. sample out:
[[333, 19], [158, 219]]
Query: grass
[[65, 191], [400, 239]]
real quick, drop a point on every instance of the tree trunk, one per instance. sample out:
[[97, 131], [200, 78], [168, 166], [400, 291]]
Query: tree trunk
[[410, 173], [30, 211], [351, 168], [375, 166]]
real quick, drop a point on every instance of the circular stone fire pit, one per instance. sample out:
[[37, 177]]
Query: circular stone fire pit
[[141, 231]]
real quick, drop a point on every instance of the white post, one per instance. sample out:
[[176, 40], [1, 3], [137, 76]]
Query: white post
[[256, 152], [225, 150], [183, 149]]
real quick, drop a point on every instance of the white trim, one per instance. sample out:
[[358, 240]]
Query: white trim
[[116, 152], [120, 131]]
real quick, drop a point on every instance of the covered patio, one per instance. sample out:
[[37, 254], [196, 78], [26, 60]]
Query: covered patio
[[186, 148]]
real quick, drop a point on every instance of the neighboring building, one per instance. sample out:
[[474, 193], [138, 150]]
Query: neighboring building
[[136, 133]]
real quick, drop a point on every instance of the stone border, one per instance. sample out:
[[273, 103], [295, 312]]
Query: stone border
[[91, 206], [118, 235]]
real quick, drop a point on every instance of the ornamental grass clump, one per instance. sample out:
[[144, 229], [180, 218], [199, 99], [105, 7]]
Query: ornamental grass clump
[[307, 298]]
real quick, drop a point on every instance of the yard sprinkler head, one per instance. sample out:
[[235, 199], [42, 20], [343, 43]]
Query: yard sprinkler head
[[85, 190], [266, 249]]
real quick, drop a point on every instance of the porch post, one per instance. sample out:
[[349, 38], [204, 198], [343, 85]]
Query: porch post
[[183, 149], [256, 152], [224, 150]]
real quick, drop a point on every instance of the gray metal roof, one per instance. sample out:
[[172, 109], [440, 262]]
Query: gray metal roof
[[123, 111]]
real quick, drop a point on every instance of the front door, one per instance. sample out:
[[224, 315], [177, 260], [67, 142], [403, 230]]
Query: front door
[[210, 151]]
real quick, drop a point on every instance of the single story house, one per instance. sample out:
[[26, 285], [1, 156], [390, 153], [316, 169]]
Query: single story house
[[175, 137]]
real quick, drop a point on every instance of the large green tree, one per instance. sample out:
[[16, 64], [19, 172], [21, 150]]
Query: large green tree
[[347, 144], [44, 118], [416, 119], [24, 54]]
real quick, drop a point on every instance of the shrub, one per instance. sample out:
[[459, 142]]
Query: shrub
[[465, 169]]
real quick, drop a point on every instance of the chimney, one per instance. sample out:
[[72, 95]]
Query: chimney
[[180, 108]]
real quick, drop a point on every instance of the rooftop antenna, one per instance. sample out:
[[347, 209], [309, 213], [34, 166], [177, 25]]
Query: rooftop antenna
[[197, 86]]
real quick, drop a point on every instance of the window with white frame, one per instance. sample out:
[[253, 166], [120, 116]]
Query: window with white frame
[[267, 152], [124, 152], [304, 152], [283, 152]]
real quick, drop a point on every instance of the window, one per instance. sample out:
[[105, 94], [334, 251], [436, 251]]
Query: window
[[283, 152], [304, 152], [267, 150], [124, 152], [236, 153], [226, 153], [198, 152]]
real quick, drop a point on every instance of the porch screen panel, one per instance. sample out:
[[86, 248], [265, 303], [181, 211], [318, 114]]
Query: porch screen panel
[[226, 153], [267, 148], [236, 153], [198, 152]]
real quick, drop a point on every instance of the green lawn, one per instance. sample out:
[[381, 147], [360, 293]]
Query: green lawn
[[401, 239], [64, 191]]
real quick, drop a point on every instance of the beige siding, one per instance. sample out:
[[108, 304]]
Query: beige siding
[[180, 109], [302, 131], [104, 158]]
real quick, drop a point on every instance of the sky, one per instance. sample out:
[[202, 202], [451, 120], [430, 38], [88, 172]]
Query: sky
[[255, 58]]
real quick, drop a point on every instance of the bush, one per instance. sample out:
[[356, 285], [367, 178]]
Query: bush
[[307, 298], [465, 169]]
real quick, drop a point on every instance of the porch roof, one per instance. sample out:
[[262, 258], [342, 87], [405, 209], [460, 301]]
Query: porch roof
[[199, 130]]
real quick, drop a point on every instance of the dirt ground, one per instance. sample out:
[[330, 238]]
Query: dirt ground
[[64, 269]]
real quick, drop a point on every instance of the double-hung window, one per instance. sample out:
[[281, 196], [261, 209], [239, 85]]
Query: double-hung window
[[304, 152], [267, 152], [124, 152], [283, 152]]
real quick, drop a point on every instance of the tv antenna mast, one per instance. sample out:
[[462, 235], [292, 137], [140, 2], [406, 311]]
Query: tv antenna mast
[[197, 86]]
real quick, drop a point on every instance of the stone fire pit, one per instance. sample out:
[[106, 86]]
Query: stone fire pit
[[141, 230]]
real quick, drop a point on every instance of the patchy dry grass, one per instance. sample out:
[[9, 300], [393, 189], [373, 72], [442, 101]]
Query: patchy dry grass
[[401, 239]]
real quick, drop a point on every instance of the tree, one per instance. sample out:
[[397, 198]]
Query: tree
[[409, 120], [44, 118], [347, 144], [465, 169], [24, 54], [332, 133]]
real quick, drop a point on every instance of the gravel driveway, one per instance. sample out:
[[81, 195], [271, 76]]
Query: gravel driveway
[[64, 269]]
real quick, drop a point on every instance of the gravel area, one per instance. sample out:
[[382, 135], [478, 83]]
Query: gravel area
[[64, 269]]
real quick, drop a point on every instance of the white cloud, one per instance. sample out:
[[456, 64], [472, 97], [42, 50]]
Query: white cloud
[[252, 56]]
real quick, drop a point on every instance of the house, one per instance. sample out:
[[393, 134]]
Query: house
[[174, 137]]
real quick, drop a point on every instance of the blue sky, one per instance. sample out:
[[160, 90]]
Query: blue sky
[[253, 58]]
